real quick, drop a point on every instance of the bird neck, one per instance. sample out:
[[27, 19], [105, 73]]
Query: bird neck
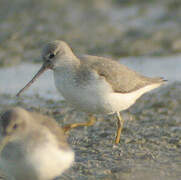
[[68, 63]]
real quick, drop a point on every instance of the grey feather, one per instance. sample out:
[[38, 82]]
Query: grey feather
[[121, 78]]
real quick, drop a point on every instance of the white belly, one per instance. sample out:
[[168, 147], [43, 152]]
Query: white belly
[[97, 96], [88, 97], [51, 161], [43, 163]]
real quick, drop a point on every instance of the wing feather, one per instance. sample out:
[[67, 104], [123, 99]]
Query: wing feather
[[121, 78]]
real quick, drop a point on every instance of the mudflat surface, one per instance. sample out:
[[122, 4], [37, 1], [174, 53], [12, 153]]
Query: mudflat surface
[[150, 144]]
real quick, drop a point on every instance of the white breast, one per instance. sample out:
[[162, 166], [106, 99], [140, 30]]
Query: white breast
[[50, 161], [97, 96], [88, 97]]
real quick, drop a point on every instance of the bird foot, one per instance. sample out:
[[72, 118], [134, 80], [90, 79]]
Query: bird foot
[[66, 128]]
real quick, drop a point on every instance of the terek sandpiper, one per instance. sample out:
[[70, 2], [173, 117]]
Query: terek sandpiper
[[96, 85], [32, 146]]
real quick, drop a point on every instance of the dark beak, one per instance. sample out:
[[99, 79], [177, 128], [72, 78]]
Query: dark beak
[[44, 67]]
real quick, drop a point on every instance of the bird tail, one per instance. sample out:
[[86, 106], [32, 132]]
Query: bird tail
[[159, 80]]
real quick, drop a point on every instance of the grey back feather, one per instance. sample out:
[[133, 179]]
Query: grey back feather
[[121, 78]]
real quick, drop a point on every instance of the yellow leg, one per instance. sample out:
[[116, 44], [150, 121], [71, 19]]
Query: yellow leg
[[68, 127], [119, 128]]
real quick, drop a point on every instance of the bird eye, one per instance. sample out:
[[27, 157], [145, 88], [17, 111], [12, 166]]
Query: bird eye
[[15, 126], [51, 55]]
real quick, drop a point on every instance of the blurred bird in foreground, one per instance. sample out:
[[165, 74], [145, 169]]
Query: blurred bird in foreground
[[32, 146]]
